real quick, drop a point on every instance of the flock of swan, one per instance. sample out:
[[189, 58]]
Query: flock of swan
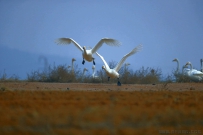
[[193, 74], [88, 55]]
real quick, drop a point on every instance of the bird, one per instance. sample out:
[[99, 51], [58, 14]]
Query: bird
[[113, 73], [194, 74], [88, 53], [83, 73], [72, 65], [93, 74], [201, 61], [126, 64], [185, 70]]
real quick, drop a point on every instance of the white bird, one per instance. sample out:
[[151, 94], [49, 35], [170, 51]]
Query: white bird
[[88, 54], [184, 69], [194, 74], [126, 64], [201, 61], [84, 70], [113, 73], [93, 74], [83, 74], [72, 65]]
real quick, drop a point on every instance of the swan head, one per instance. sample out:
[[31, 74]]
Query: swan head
[[85, 69], [127, 64], [73, 59], [84, 47], [188, 63], [175, 59], [185, 66]]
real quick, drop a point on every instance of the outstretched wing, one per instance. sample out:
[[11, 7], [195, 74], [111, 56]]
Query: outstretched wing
[[106, 65], [63, 41], [108, 41], [118, 66]]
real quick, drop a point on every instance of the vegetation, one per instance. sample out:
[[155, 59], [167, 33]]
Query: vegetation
[[64, 74]]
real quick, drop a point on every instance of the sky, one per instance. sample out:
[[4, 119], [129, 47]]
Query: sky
[[167, 29]]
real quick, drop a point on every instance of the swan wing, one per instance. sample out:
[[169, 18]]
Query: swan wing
[[62, 41], [108, 41], [136, 49], [106, 65]]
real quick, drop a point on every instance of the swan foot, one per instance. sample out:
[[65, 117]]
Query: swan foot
[[118, 83], [83, 62], [108, 78]]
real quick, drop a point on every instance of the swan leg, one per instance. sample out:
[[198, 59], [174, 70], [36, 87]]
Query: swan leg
[[93, 61], [118, 83], [83, 62], [108, 78]]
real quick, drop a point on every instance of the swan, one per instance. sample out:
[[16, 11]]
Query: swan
[[84, 70], [185, 70], [201, 61], [194, 74], [113, 73], [88, 54], [93, 74], [126, 64], [83, 73], [72, 65]]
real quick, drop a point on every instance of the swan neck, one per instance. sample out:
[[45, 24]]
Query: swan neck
[[85, 51], [191, 66], [178, 67], [72, 67], [93, 72]]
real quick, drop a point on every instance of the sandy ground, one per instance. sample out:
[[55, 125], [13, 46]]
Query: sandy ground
[[100, 87], [78, 108]]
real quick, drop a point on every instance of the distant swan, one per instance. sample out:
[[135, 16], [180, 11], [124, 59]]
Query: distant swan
[[113, 73], [194, 74], [184, 69], [88, 54], [93, 74], [72, 65]]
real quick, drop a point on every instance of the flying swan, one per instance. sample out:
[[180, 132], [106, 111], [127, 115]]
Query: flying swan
[[88, 54], [113, 73]]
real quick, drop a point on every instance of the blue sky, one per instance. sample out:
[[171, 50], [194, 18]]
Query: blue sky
[[167, 29]]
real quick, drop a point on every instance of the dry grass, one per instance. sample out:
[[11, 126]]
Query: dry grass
[[99, 112]]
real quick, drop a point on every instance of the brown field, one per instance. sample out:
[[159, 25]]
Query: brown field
[[102, 109]]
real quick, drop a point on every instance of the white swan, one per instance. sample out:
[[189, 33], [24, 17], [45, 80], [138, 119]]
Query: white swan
[[194, 74], [201, 61], [72, 65], [113, 73], [185, 70], [93, 74], [84, 70], [88, 54], [125, 70]]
